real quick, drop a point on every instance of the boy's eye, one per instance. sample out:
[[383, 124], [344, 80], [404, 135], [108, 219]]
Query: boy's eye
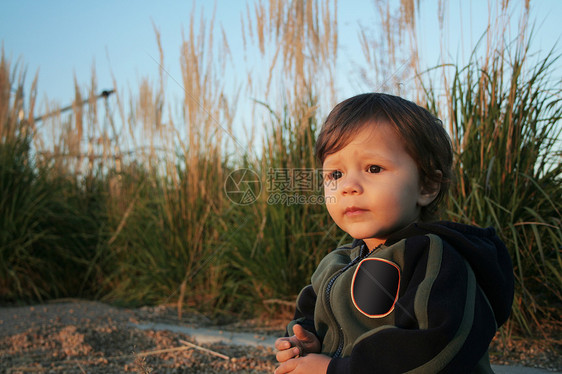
[[374, 169], [336, 174]]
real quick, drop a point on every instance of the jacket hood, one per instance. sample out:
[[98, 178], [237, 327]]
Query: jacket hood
[[485, 253]]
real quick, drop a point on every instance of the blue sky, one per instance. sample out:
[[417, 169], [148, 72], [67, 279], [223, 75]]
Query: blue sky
[[63, 38]]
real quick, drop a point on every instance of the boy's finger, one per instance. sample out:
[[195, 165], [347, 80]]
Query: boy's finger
[[301, 333], [282, 343], [287, 354], [286, 367]]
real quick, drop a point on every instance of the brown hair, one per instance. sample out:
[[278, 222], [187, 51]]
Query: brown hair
[[424, 137]]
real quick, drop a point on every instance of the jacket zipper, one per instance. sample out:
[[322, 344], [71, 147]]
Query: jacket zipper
[[329, 288]]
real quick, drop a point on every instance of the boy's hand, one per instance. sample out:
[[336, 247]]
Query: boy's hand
[[310, 364], [301, 343]]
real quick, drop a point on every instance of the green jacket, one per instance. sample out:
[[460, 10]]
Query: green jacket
[[428, 301]]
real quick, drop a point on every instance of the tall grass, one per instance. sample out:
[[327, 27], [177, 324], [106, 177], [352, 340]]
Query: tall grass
[[172, 210], [131, 207], [50, 226]]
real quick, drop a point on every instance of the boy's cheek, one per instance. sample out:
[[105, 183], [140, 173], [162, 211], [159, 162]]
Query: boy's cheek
[[331, 205], [330, 187], [329, 196]]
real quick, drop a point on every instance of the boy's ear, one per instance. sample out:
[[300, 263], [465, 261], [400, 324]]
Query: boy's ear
[[430, 189]]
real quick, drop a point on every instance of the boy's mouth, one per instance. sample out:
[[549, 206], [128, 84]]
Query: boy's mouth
[[353, 211]]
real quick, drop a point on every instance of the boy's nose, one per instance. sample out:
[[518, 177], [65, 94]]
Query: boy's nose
[[351, 186]]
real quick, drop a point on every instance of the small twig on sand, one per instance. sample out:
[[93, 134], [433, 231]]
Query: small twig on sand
[[158, 351], [81, 368], [224, 357]]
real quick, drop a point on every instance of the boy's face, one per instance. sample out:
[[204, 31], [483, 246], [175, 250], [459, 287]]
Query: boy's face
[[372, 185]]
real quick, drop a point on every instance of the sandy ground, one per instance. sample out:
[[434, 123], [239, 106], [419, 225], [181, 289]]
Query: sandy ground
[[76, 336]]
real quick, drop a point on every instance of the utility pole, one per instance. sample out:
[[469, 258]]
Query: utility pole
[[104, 94]]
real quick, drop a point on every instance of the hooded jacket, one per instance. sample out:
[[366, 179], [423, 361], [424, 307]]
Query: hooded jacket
[[427, 301]]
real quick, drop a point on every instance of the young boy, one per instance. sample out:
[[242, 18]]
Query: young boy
[[407, 295]]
